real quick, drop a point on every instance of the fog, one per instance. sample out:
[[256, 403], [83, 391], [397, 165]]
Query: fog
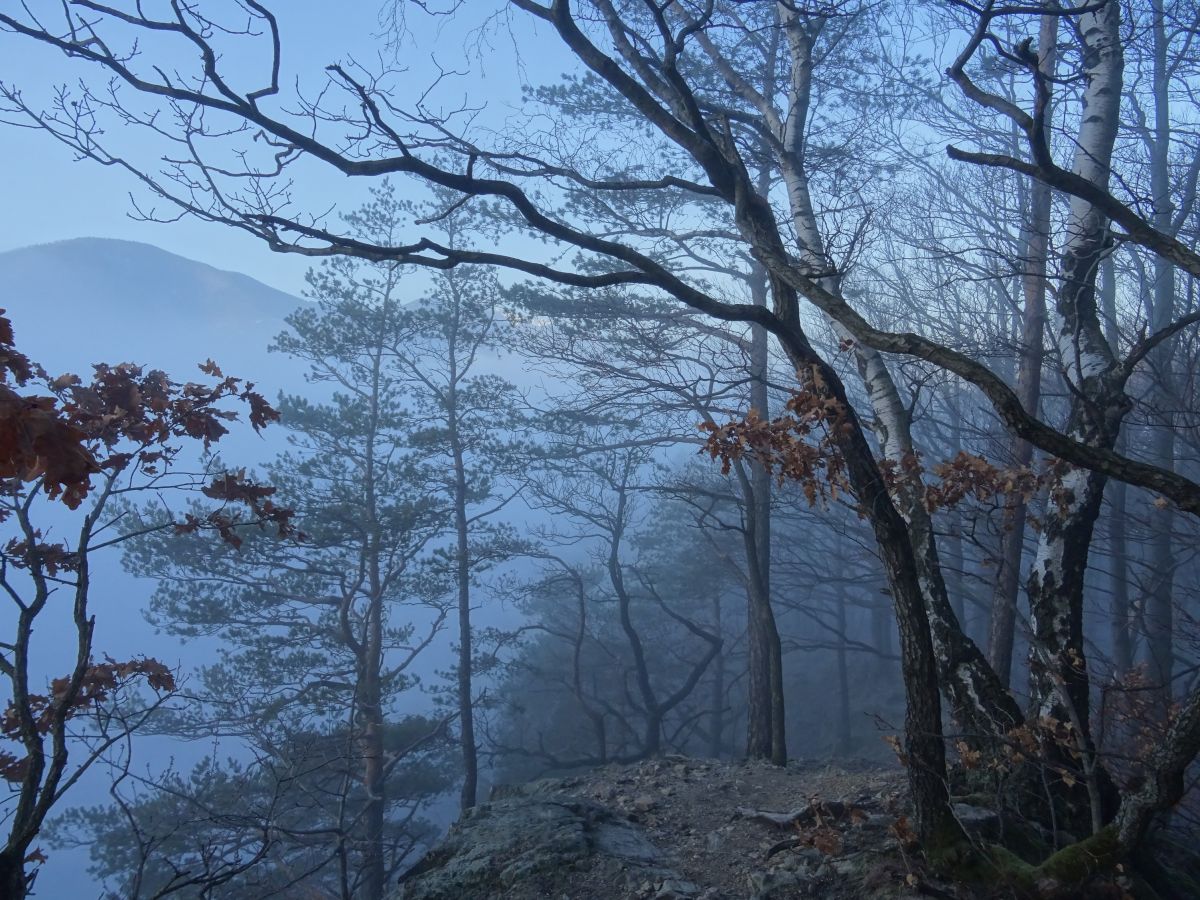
[[473, 393]]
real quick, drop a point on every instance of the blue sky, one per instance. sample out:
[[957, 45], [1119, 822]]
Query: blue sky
[[50, 196]]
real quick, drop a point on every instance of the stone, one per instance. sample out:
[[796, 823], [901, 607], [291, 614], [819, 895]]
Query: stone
[[776, 884], [977, 820], [676, 889], [714, 840], [499, 844], [809, 857]]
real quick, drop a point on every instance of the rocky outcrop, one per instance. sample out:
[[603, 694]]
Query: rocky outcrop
[[531, 841], [674, 829]]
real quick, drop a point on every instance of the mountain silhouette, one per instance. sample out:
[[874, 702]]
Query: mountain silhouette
[[87, 300]]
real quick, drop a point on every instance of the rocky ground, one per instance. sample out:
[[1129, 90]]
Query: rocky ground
[[677, 828]]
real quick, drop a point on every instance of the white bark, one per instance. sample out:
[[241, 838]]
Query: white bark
[[1056, 581], [978, 700]]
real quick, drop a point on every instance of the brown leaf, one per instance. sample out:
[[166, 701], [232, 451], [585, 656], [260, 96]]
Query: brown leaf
[[904, 832], [36, 441], [827, 840], [12, 362], [893, 741]]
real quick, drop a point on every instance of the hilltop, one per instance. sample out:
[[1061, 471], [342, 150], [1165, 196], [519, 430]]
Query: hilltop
[[86, 300]]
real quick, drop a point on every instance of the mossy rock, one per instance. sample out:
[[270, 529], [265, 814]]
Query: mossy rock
[[1073, 871], [1076, 863]]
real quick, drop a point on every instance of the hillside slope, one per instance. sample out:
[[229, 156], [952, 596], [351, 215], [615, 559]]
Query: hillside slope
[[676, 828], [88, 300]]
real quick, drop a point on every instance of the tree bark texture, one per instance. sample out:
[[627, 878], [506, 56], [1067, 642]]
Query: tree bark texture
[[979, 702], [462, 575], [1057, 577]]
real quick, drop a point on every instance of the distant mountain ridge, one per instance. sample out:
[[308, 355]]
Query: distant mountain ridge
[[85, 300], [110, 263]]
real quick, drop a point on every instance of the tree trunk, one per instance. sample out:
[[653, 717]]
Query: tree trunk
[[955, 569], [758, 681], [1118, 493], [13, 885], [882, 630], [842, 739], [1164, 784], [1056, 581], [1160, 614], [716, 726], [1059, 685], [462, 574], [978, 701], [652, 734], [369, 652], [375, 881], [766, 722], [1119, 609], [924, 749], [1035, 251]]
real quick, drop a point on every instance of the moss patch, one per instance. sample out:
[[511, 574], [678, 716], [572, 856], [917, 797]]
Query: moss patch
[[1078, 862], [1065, 870]]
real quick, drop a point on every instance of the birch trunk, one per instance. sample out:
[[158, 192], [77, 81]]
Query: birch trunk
[[979, 702], [1059, 685]]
